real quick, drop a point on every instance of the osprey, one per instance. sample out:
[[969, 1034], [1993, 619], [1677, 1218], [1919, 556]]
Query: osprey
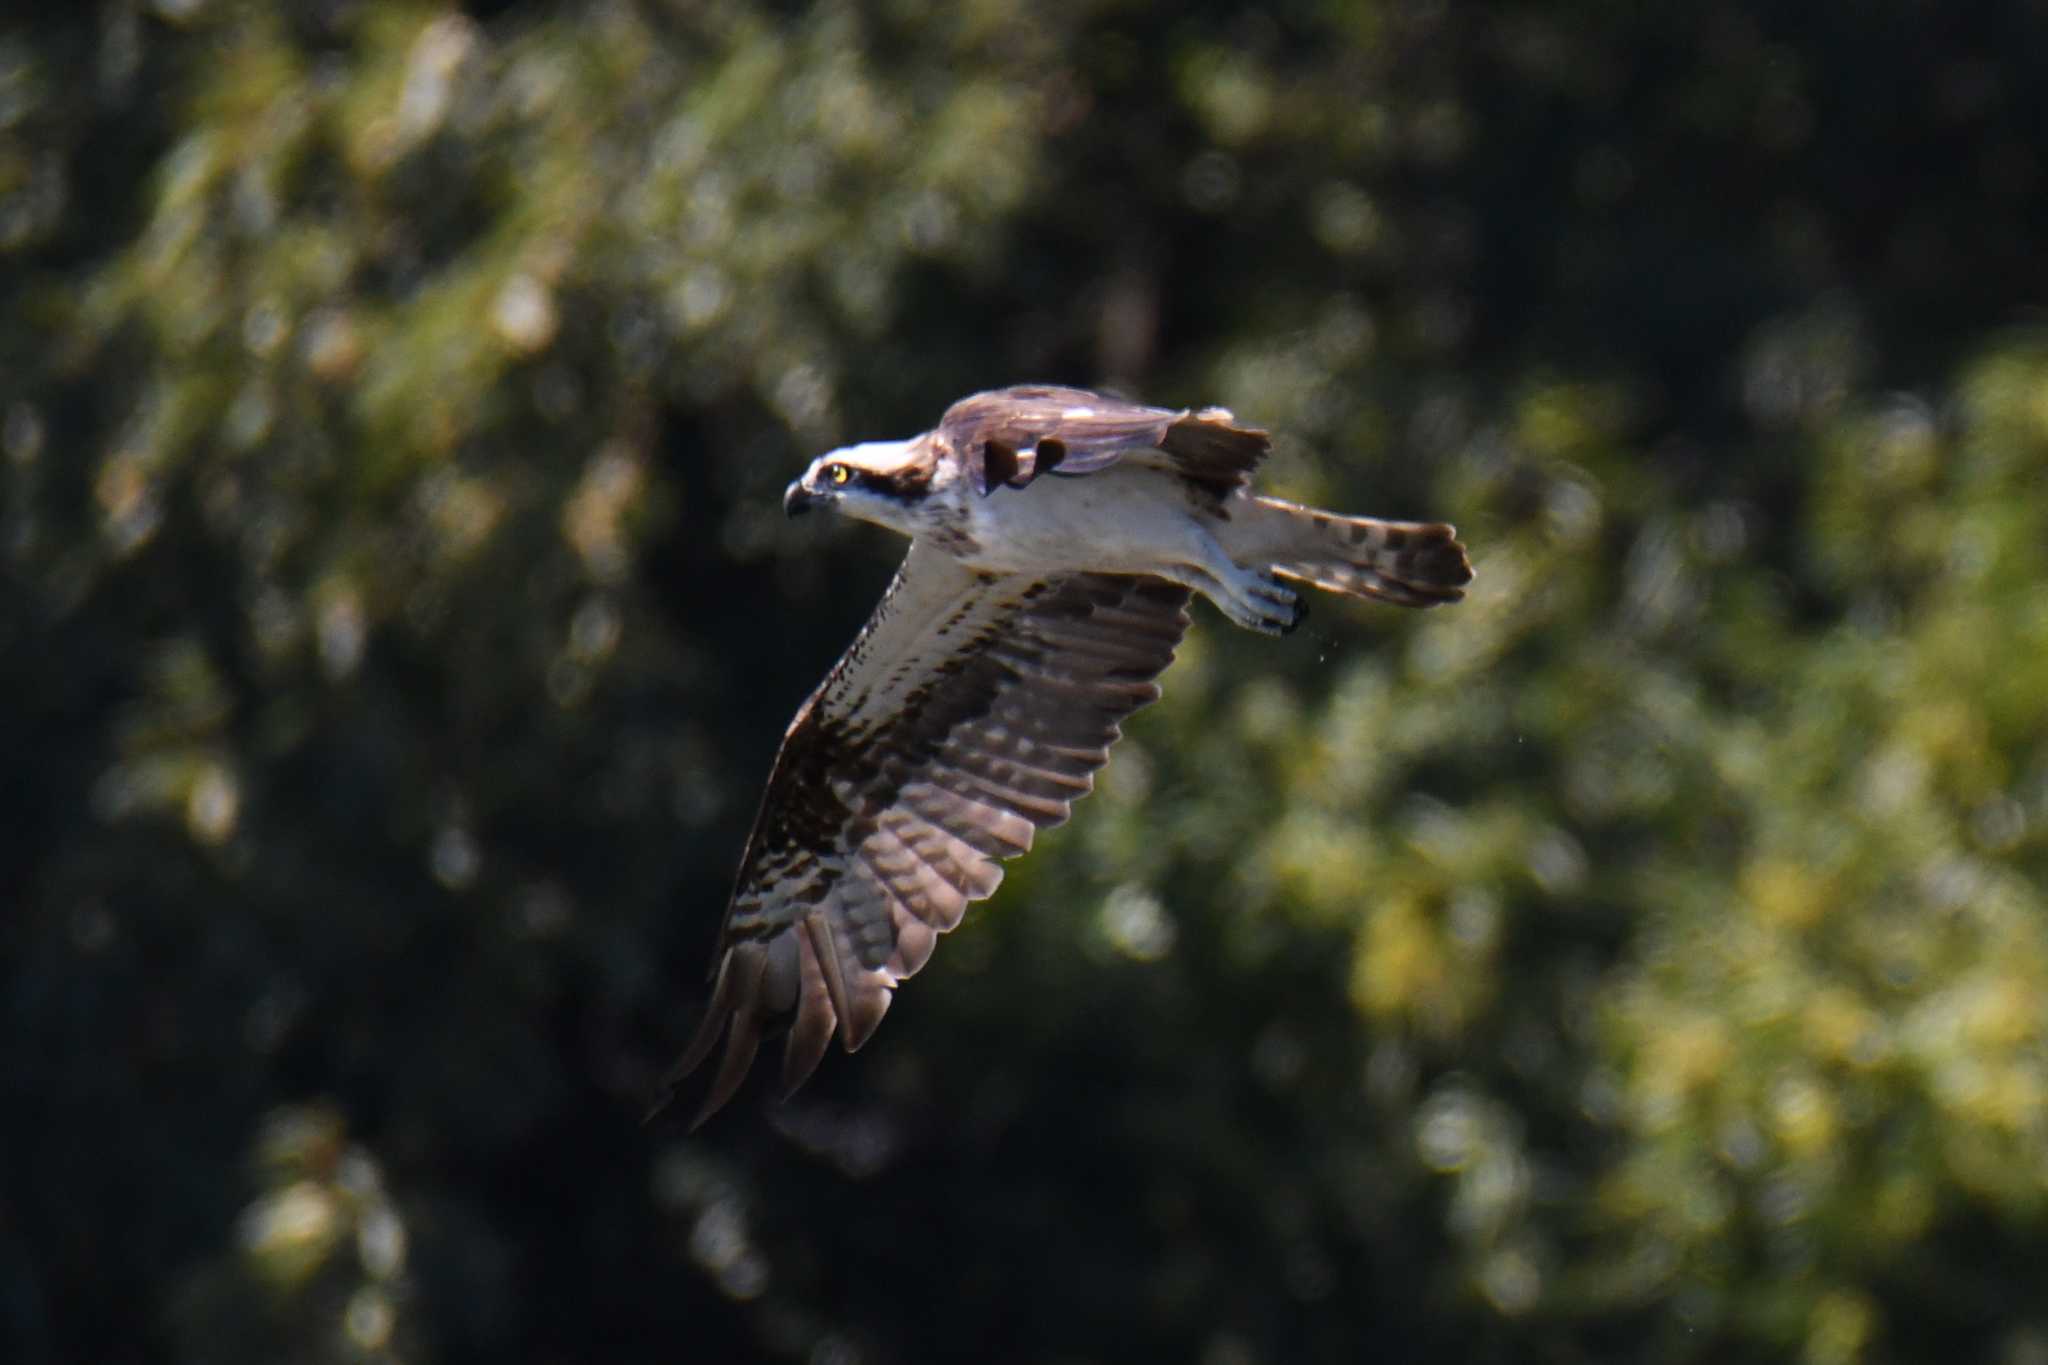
[[1030, 617]]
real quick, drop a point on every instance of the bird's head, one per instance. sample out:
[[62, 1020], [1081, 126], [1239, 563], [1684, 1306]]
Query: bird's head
[[879, 481]]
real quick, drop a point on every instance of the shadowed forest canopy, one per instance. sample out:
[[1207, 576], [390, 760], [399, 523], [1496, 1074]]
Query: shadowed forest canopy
[[1643, 960]]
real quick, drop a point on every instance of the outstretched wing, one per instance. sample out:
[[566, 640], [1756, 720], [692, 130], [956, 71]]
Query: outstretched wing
[[972, 711], [1011, 436]]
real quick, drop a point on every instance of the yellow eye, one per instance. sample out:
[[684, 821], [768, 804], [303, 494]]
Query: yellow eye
[[838, 475]]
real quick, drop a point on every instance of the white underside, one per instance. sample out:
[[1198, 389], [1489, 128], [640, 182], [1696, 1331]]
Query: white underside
[[1132, 518]]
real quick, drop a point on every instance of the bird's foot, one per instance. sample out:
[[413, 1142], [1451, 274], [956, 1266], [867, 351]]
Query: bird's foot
[[1263, 603]]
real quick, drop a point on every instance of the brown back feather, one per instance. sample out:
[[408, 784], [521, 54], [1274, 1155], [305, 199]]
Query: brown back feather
[[1008, 437]]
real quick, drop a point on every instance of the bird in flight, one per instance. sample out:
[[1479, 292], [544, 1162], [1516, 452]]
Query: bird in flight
[[1056, 536]]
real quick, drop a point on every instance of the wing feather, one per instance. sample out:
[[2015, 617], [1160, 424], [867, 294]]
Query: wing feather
[[915, 939], [1040, 810], [864, 987], [972, 711], [953, 858], [997, 833], [919, 886], [811, 1032], [1008, 437], [739, 996], [831, 966]]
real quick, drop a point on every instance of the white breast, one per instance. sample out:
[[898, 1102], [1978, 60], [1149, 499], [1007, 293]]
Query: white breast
[[1126, 519]]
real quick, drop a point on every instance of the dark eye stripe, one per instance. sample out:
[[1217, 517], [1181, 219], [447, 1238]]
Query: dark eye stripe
[[902, 486]]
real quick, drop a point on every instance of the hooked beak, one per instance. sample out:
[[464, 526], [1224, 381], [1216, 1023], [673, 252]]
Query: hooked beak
[[797, 499]]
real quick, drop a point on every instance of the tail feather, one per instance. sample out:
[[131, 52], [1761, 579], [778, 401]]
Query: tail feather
[[1412, 563]]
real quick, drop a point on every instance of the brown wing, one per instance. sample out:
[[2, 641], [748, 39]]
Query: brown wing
[[1011, 436], [972, 711]]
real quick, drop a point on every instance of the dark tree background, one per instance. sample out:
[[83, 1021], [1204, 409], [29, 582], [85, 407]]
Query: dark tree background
[[1645, 960]]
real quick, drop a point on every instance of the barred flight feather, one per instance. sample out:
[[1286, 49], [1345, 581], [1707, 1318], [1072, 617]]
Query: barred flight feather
[[883, 816]]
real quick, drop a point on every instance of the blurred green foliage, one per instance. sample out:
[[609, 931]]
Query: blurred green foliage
[[1643, 960]]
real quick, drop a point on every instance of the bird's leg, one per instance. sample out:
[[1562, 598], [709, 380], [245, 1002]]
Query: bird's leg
[[1253, 599]]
